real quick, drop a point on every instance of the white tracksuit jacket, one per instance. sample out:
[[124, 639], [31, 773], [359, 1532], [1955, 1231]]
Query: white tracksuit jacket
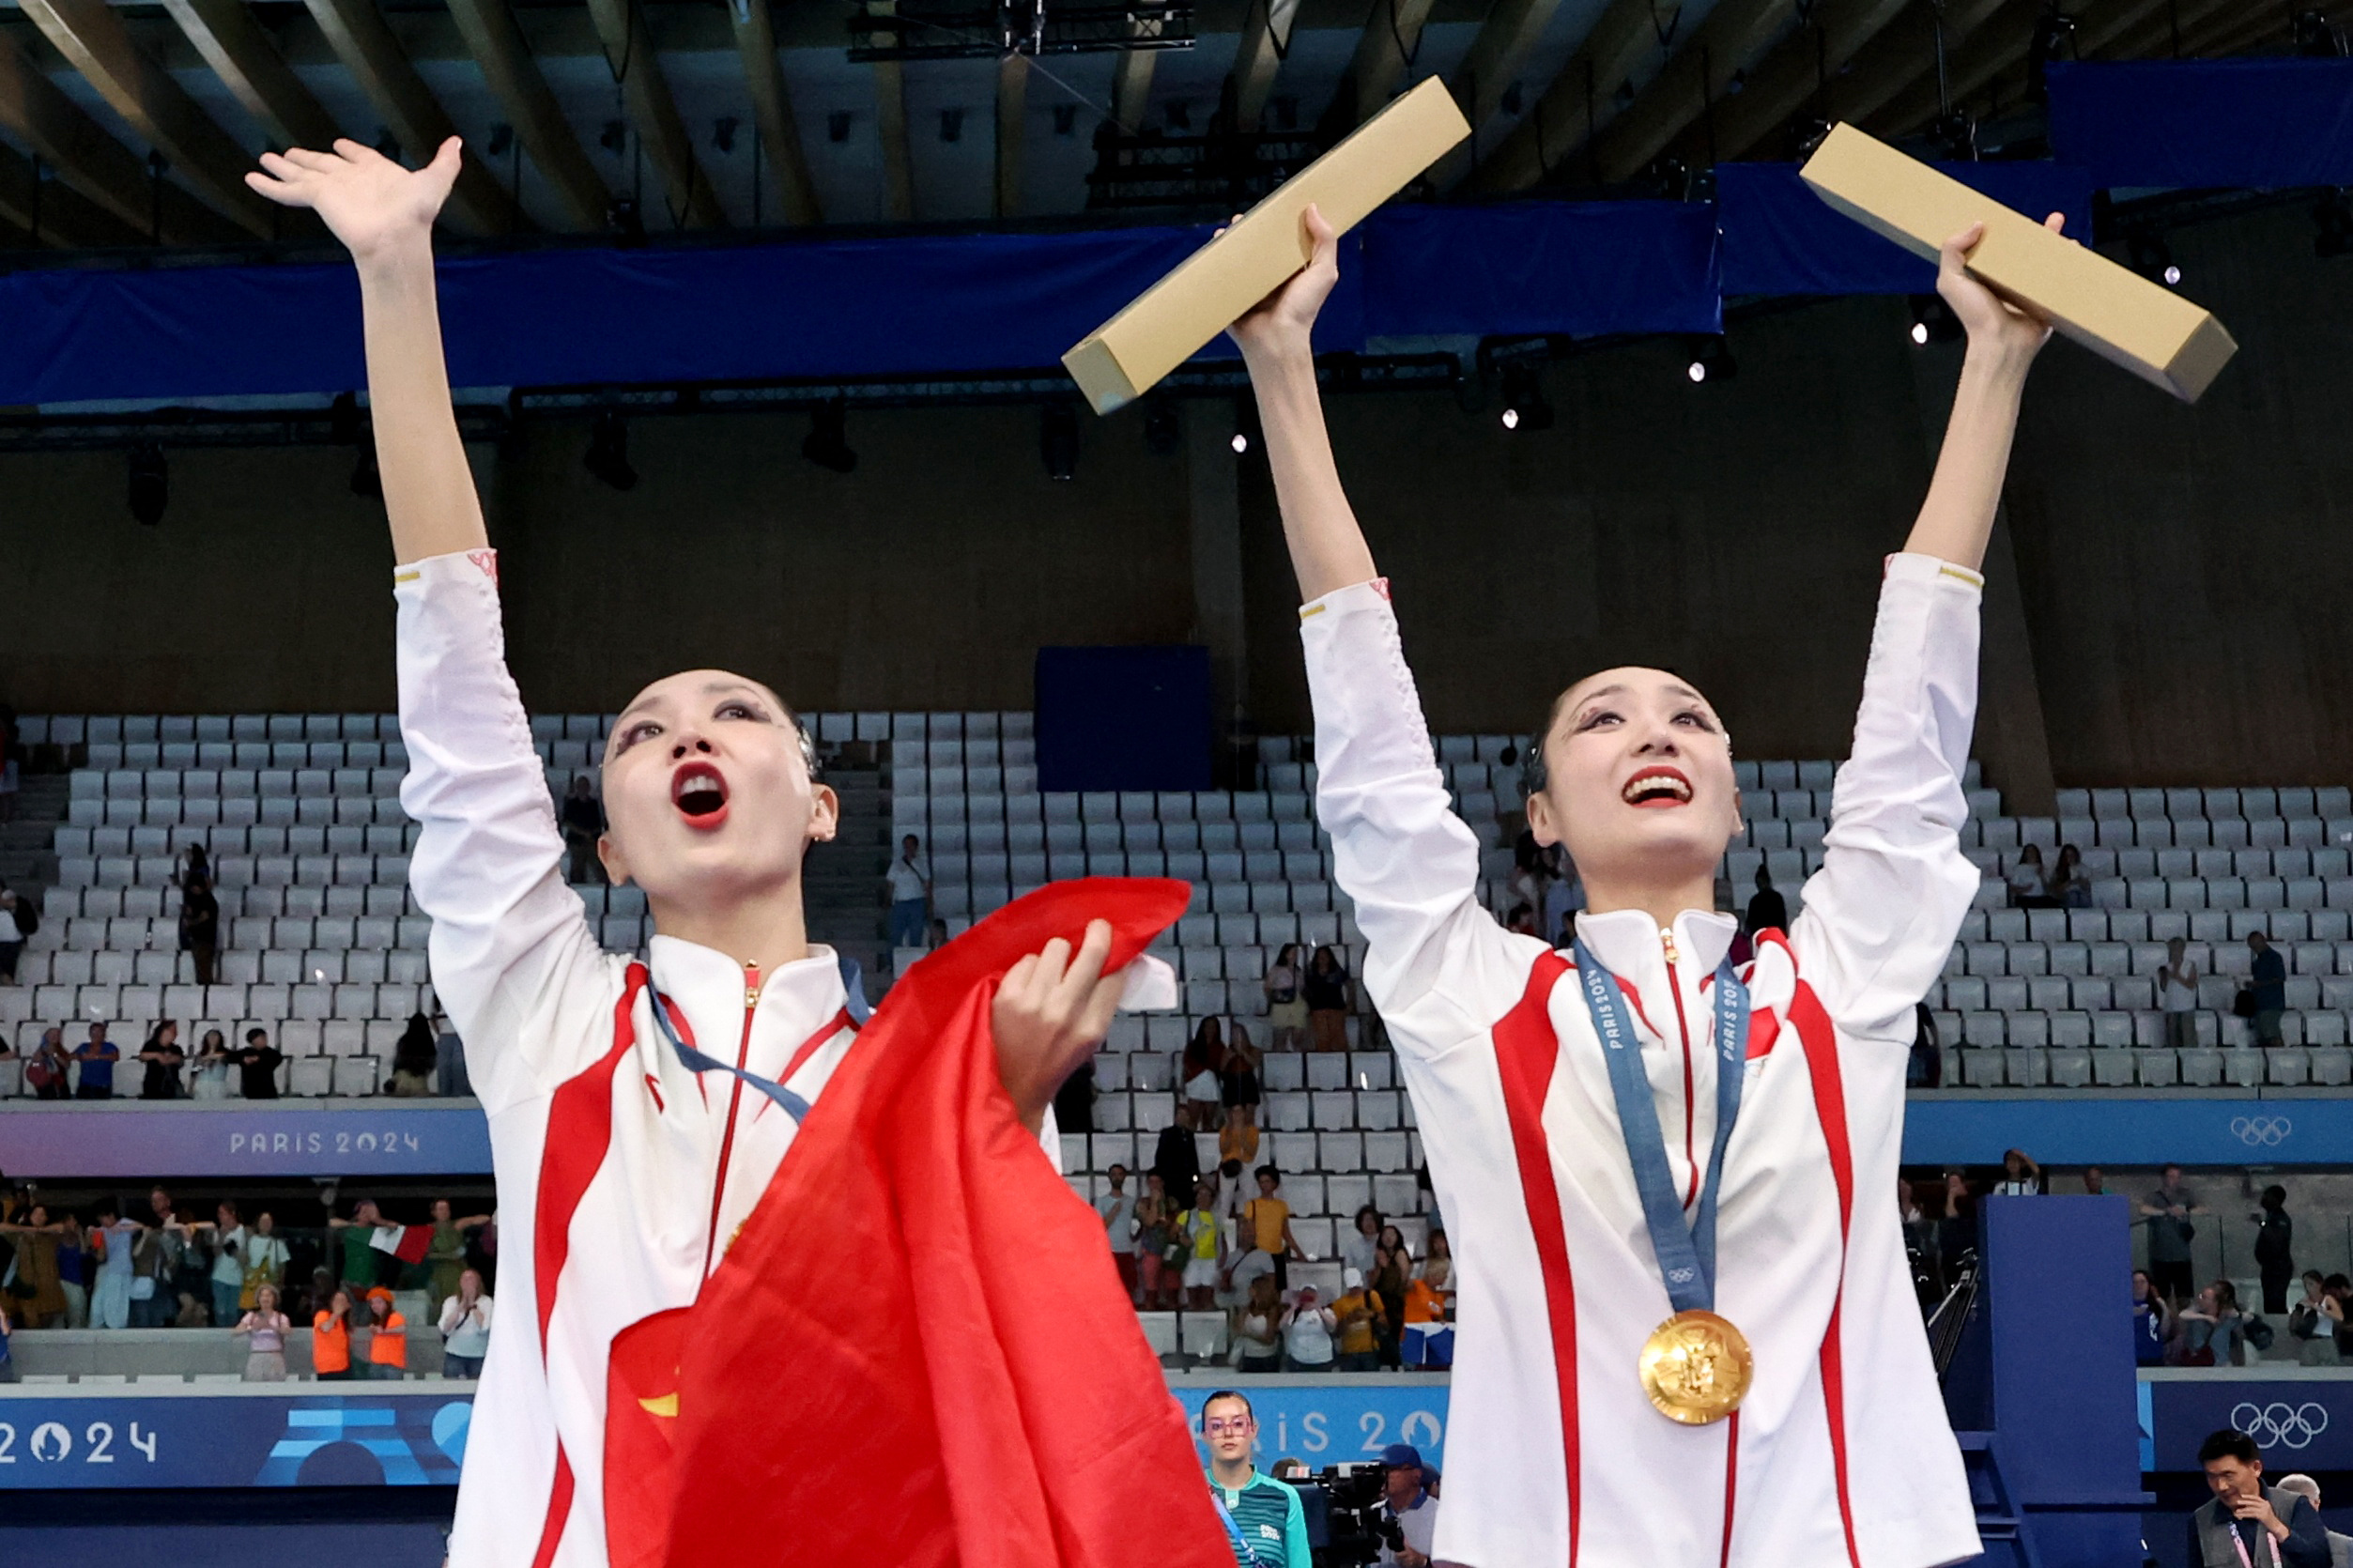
[[1842, 1452]]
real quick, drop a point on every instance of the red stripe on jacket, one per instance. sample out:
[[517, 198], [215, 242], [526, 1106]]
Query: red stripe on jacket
[[1526, 1049], [1821, 1041]]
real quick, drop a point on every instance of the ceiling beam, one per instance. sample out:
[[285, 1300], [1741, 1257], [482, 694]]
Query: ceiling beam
[[496, 39], [1902, 54], [1266, 38], [772, 111], [1498, 52], [1803, 70], [890, 126], [2232, 32], [1392, 32], [87, 156], [1131, 85], [364, 41], [52, 212], [1694, 81], [249, 65], [1583, 98], [91, 35], [1983, 55], [1012, 116], [662, 135]]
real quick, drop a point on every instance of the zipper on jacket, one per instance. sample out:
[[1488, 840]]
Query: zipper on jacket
[[734, 1099], [1683, 1026]]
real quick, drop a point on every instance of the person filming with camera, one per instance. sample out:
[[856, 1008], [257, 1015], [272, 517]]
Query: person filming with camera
[[1412, 1505], [1269, 1522]]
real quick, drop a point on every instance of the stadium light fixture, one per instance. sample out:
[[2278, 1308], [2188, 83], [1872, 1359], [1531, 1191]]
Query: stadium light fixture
[[1711, 360]]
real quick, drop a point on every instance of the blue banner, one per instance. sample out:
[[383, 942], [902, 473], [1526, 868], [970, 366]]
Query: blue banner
[[1587, 269], [1338, 1419], [1780, 237], [238, 1138], [2266, 123], [2301, 1418], [1964, 1127], [85, 1439]]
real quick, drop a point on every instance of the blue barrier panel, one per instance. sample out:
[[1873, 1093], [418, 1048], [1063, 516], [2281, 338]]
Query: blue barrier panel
[[1334, 1420], [1584, 269], [2266, 123], [1780, 237], [78, 1437], [2303, 1417], [231, 1138], [1961, 1127]]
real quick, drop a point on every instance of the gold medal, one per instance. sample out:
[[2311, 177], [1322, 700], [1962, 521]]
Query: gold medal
[[1696, 1368]]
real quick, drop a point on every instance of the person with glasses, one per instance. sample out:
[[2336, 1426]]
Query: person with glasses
[[1270, 1526]]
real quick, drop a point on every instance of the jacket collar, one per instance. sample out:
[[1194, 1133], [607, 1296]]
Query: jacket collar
[[1627, 943]]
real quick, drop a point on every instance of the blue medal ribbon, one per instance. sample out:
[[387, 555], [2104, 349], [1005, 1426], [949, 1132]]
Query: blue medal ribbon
[[1687, 1251], [696, 1061]]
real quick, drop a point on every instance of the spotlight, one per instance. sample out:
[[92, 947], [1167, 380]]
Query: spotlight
[[1242, 443], [2152, 257], [1711, 360], [2333, 218], [150, 482], [827, 445], [608, 452], [1163, 431], [1523, 405], [1058, 440], [1931, 322]]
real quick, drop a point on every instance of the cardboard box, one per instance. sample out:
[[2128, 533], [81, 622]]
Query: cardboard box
[[2110, 309], [1169, 323]]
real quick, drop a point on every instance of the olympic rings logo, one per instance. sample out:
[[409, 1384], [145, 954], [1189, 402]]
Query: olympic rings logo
[[2280, 1425], [2264, 1132]]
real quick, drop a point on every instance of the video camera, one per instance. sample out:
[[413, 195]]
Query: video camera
[[1346, 1525]]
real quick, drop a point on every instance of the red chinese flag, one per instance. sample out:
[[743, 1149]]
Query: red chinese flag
[[917, 1351]]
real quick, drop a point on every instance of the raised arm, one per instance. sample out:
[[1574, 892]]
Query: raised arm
[[512, 958], [1398, 850], [1881, 914]]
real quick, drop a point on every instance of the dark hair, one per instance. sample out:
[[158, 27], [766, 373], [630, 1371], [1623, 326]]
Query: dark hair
[[1226, 1393], [1229, 1168], [1267, 1172], [2229, 1444], [1378, 1220], [2274, 1196]]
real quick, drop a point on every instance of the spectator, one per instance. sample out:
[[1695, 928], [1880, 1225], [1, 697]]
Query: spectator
[[1767, 910], [1956, 1232], [331, 1339], [40, 1297], [1410, 1505], [1521, 921], [2069, 886], [1308, 1331], [1918, 1235], [194, 865], [583, 826], [2026, 880], [257, 1067], [2211, 1330], [1153, 1239], [2313, 1322], [2177, 995], [1286, 1007], [209, 1074], [2167, 1211], [1118, 1209], [163, 1056], [49, 1073], [1200, 1241], [358, 1244], [2095, 1182], [1358, 1251], [229, 1263], [1926, 1068], [265, 1328], [1238, 1140], [1267, 1221], [2304, 1486], [1526, 886], [1238, 1079], [2247, 1522], [1258, 1326], [97, 1055], [1358, 1310], [1176, 1161], [1268, 1515], [1205, 1056], [909, 879], [388, 1338], [116, 1238], [1562, 892], [200, 926], [18, 922], [266, 1259], [2020, 1176], [1392, 1271], [2267, 987], [2275, 1246], [1325, 987], [414, 1059], [465, 1328], [1429, 1307], [448, 1054], [2152, 1326], [154, 1288], [75, 1269]]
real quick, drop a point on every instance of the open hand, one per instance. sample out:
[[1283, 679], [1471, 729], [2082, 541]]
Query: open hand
[[1052, 1010], [1992, 322], [369, 201], [1282, 319]]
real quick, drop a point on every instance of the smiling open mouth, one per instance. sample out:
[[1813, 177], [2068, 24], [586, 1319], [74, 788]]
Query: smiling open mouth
[[1656, 788], [699, 791]]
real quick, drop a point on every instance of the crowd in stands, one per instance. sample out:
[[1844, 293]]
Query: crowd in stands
[[421, 1066], [109, 1265]]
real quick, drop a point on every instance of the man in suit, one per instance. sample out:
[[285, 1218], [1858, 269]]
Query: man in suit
[[2247, 1524], [2340, 1547]]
